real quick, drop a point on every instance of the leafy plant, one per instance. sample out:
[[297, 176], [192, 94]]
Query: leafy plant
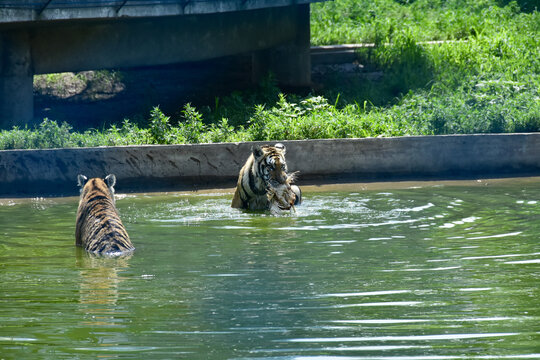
[[160, 129]]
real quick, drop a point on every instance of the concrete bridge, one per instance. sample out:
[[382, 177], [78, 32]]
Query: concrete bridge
[[50, 36]]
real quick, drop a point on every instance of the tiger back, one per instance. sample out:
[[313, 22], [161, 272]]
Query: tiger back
[[98, 226], [263, 182]]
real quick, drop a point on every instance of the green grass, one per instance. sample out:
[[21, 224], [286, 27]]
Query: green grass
[[485, 81], [376, 21]]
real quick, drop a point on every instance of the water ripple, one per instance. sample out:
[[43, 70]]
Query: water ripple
[[400, 338], [497, 256], [117, 349], [495, 236], [409, 321], [470, 219], [533, 261], [366, 293], [384, 303], [15, 339], [426, 269], [414, 357], [348, 225], [416, 208]]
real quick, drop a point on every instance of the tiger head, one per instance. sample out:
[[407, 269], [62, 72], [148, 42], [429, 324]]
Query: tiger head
[[271, 165], [103, 185]]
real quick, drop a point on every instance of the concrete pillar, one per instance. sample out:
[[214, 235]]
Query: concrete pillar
[[290, 62], [16, 79]]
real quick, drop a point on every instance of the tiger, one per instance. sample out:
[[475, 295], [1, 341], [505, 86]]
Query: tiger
[[98, 226], [264, 182]]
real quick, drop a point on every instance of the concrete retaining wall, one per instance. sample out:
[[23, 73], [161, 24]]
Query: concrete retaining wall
[[185, 167]]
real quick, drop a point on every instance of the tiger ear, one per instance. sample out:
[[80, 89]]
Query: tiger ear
[[257, 152], [110, 180], [281, 147], [81, 180]]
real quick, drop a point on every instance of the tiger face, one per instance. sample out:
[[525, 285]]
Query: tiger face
[[264, 182], [98, 225]]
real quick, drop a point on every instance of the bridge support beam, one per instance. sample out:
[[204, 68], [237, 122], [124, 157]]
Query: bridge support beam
[[16, 79], [291, 62]]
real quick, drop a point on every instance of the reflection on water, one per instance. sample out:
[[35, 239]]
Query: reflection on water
[[99, 281], [99, 278], [430, 272]]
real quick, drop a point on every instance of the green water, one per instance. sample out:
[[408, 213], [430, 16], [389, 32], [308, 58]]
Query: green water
[[435, 272]]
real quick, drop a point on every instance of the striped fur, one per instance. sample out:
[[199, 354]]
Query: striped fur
[[263, 182], [98, 226]]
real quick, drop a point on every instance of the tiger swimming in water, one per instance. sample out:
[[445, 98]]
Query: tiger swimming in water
[[263, 182], [98, 226]]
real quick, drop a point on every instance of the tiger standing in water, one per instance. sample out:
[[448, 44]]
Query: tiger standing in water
[[263, 182], [98, 226]]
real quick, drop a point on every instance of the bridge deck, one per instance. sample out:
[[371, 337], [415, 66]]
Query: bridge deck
[[15, 11]]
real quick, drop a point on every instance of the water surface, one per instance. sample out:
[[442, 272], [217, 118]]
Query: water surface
[[429, 272]]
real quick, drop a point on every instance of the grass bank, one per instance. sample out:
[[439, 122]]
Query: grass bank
[[485, 81]]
